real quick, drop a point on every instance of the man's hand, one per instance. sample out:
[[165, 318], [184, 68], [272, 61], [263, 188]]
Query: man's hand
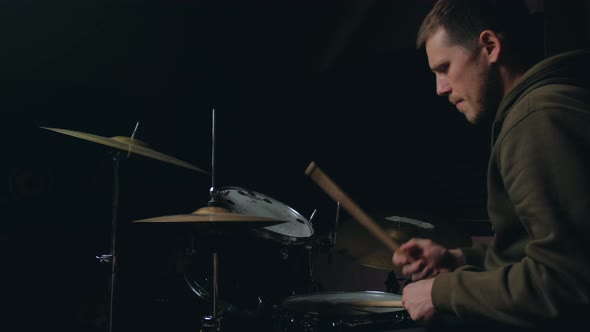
[[423, 258], [417, 301]]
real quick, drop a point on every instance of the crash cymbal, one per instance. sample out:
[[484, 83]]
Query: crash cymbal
[[127, 144], [215, 216], [355, 242]]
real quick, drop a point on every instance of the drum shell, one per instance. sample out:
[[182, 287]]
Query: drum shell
[[253, 274]]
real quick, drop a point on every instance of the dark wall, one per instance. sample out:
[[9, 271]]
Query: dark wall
[[567, 26], [338, 83]]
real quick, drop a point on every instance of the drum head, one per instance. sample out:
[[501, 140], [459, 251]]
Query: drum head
[[244, 201], [340, 303]]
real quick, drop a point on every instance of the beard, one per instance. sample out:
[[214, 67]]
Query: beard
[[490, 92]]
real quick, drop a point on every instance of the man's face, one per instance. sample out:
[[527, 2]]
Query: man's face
[[467, 78]]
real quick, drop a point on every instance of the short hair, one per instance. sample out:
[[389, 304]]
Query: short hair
[[464, 20]]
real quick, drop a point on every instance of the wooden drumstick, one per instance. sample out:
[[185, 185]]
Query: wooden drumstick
[[322, 180]]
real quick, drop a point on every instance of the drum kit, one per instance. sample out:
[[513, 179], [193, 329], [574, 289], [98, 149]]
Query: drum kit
[[236, 210]]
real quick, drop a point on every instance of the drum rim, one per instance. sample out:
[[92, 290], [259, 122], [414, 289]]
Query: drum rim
[[337, 293], [282, 238], [292, 309]]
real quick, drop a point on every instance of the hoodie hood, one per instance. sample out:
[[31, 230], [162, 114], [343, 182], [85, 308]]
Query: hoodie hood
[[572, 68]]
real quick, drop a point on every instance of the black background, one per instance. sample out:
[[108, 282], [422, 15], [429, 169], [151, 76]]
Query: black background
[[337, 82]]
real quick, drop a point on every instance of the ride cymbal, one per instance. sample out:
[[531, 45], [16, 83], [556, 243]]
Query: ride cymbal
[[127, 144]]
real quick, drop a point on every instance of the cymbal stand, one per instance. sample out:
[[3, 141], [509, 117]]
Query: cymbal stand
[[213, 321], [332, 235], [115, 205], [111, 257], [213, 191], [336, 221], [311, 286]]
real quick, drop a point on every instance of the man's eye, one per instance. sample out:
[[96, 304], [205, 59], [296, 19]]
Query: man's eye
[[441, 69]]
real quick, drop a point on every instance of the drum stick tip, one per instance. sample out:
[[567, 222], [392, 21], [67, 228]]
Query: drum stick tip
[[310, 168]]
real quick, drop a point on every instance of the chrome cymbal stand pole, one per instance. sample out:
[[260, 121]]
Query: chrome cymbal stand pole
[[213, 322], [333, 233], [115, 205], [213, 190], [111, 257]]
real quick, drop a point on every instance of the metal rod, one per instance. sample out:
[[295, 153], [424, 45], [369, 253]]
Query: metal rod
[[113, 257], [212, 190], [336, 223], [132, 137], [214, 309]]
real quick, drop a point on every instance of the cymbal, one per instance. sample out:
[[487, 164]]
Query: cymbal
[[355, 242], [127, 144], [215, 216]]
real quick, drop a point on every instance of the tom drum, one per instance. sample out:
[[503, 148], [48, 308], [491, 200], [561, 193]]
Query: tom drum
[[297, 229]]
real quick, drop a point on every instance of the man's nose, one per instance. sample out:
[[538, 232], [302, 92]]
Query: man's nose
[[443, 88]]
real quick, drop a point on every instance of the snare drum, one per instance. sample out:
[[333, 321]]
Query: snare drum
[[340, 311], [297, 229]]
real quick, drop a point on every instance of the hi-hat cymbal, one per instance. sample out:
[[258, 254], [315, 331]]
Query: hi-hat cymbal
[[215, 216], [127, 144], [355, 242]]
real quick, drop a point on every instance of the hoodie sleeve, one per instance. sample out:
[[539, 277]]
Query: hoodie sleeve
[[544, 160]]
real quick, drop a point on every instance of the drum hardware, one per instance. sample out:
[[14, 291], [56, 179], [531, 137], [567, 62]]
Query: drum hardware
[[217, 219], [132, 137], [235, 210], [130, 145], [312, 216], [333, 233], [232, 303], [284, 253], [336, 220], [213, 322], [392, 283], [212, 191], [309, 248], [112, 256], [342, 311], [195, 287], [104, 258], [296, 233]]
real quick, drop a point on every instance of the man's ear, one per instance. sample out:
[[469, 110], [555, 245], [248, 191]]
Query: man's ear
[[491, 44]]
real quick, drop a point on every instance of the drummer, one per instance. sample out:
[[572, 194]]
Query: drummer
[[535, 273]]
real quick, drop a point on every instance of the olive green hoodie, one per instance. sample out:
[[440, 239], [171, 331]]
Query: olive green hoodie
[[536, 271]]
